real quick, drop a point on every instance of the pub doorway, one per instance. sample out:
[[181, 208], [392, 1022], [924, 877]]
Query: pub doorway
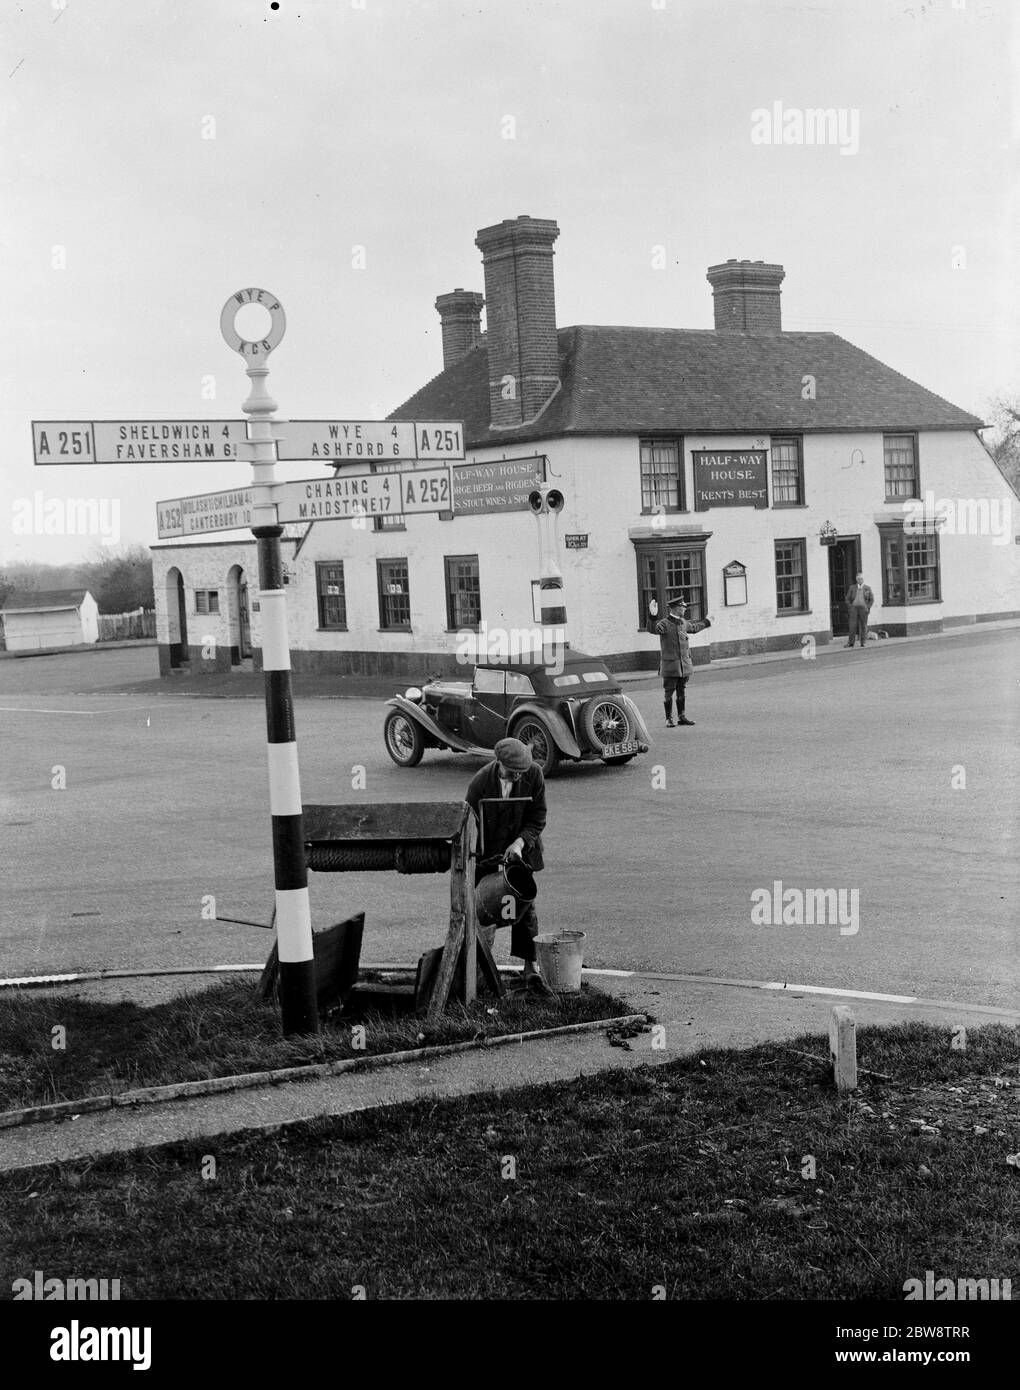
[[844, 563], [177, 619]]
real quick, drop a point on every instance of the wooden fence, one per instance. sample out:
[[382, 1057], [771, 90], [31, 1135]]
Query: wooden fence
[[118, 627]]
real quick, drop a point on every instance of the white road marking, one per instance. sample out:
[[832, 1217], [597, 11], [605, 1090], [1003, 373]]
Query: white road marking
[[843, 993], [955, 1005]]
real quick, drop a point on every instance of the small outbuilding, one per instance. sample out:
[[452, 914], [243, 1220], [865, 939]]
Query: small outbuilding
[[49, 618]]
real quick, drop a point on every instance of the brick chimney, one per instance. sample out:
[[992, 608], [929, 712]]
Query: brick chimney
[[746, 296], [524, 366], [460, 313]]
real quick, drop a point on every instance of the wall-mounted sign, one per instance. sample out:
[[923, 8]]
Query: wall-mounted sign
[[500, 486], [735, 583], [730, 479], [574, 542]]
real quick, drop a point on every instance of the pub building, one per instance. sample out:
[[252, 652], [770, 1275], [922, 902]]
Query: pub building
[[753, 470]]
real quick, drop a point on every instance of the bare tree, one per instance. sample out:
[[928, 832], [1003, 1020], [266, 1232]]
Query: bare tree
[[1002, 438], [120, 580]]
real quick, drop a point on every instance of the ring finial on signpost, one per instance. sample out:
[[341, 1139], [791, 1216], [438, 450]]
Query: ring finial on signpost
[[257, 349]]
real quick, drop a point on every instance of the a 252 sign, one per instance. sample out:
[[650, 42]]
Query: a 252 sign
[[427, 489]]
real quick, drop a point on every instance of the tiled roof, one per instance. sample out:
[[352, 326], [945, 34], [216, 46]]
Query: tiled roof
[[695, 381], [27, 601]]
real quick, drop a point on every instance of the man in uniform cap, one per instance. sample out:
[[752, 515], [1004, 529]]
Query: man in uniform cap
[[675, 664], [508, 799]]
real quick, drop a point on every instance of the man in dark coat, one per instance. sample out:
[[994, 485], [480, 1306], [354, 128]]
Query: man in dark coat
[[508, 799], [675, 664], [859, 599]]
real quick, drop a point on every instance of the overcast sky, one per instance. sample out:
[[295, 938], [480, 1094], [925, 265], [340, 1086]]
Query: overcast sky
[[168, 152]]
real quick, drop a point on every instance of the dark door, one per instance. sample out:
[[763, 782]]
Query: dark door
[[844, 561], [244, 619], [485, 716], [179, 650]]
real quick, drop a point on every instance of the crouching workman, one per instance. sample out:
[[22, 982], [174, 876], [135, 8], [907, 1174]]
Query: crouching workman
[[508, 799], [675, 664]]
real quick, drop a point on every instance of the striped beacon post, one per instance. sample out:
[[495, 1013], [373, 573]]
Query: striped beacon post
[[547, 502], [298, 1011]]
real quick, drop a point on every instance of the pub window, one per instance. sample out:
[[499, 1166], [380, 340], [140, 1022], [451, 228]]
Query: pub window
[[668, 572], [662, 486], [394, 595], [207, 600], [901, 478], [787, 472], [463, 596], [910, 568], [791, 577], [332, 594]]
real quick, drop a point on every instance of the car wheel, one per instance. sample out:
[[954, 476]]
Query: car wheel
[[606, 722], [538, 738], [405, 741]]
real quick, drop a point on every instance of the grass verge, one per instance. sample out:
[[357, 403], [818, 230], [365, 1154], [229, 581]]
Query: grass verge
[[692, 1176], [224, 1031]]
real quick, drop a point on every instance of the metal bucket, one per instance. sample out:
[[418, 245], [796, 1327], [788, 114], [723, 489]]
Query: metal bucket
[[514, 880], [560, 957]]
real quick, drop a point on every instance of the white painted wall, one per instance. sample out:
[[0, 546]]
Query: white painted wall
[[89, 619], [27, 632], [600, 478]]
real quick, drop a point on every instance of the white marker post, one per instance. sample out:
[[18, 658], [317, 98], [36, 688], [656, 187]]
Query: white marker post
[[843, 1048], [298, 1010]]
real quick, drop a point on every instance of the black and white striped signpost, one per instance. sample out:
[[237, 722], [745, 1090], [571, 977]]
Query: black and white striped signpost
[[298, 1010], [427, 486]]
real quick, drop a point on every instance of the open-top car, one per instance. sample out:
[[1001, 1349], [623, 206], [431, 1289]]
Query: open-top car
[[579, 713]]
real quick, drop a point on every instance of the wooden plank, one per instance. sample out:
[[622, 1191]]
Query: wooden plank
[[270, 975], [462, 901], [487, 969], [425, 979], [337, 954], [447, 968], [380, 989], [412, 820]]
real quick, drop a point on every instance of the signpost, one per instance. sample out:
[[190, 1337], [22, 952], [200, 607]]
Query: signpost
[[364, 494], [213, 511], [353, 441], [136, 441], [214, 441], [266, 505], [342, 498]]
